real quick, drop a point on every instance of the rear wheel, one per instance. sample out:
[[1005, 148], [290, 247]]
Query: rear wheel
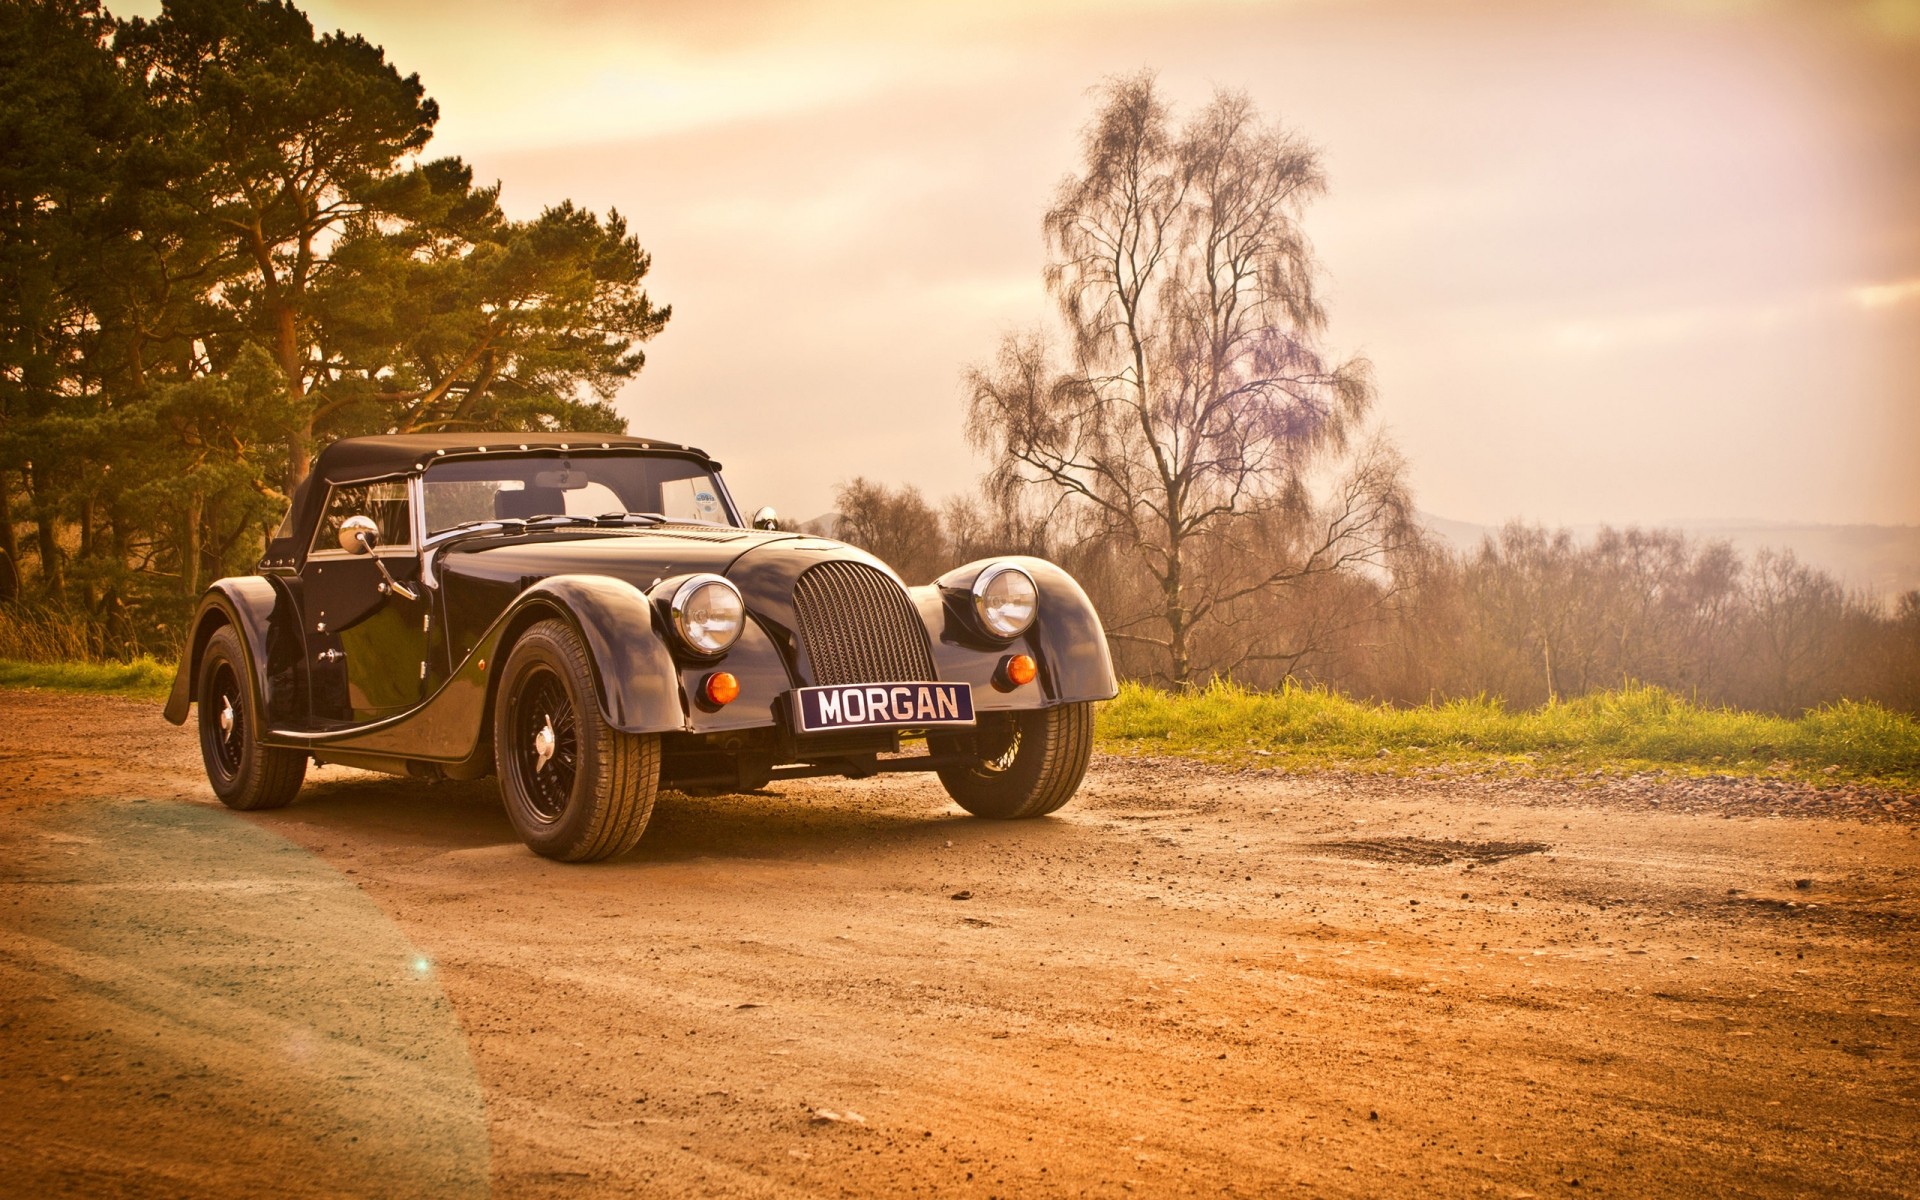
[[245, 774], [1030, 763], [576, 789]]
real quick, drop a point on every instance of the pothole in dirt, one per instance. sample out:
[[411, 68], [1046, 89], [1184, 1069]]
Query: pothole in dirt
[[1431, 852]]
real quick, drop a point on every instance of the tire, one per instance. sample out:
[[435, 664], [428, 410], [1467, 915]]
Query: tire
[[245, 774], [587, 792], [1037, 760]]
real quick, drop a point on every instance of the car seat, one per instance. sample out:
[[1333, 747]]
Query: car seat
[[528, 502]]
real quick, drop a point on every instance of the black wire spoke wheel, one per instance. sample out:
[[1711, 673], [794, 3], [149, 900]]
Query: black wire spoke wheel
[[244, 773], [575, 788], [1002, 755], [1028, 769], [548, 745], [224, 721]]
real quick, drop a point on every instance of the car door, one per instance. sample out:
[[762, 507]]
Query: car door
[[367, 643]]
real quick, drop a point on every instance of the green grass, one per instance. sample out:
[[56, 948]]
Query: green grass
[[143, 677], [1619, 732]]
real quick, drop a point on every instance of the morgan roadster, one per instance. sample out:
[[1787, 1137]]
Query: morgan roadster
[[588, 618]]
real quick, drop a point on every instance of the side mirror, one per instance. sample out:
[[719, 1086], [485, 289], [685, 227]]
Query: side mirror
[[358, 535], [766, 518]]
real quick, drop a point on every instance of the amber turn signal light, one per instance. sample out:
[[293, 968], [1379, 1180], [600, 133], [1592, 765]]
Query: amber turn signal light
[[721, 688], [1020, 669]]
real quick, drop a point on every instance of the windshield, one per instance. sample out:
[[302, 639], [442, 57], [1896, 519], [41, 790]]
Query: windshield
[[500, 487]]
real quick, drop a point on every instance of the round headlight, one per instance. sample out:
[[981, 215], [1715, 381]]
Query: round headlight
[[708, 614], [1005, 601]]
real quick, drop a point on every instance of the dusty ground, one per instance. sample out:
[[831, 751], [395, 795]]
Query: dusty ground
[[1188, 982]]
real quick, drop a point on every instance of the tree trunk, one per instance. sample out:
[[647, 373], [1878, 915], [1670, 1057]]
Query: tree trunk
[[190, 557], [1180, 664], [286, 352], [112, 603], [52, 578], [86, 549], [300, 437], [9, 547], [299, 457], [211, 564]]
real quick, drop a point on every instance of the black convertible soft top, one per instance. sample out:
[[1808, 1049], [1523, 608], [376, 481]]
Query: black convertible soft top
[[350, 460]]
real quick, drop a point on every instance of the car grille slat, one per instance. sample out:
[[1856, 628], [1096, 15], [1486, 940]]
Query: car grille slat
[[859, 626]]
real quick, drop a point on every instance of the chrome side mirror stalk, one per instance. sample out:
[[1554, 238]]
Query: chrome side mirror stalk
[[357, 536]]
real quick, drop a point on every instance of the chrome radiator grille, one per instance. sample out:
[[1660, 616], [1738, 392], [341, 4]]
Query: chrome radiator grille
[[858, 626]]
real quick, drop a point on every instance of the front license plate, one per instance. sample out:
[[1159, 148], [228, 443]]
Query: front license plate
[[865, 706]]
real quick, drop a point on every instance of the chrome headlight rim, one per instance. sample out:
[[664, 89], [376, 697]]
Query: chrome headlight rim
[[677, 610], [984, 580]]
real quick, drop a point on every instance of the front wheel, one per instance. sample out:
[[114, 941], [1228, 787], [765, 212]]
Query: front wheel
[[576, 789], [1030, 763], [245, 774]]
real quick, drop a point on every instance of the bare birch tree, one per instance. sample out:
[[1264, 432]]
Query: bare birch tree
[[1195, 406]]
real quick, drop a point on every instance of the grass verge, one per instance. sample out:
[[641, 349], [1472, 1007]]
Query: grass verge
[[1629, 730], [1626, 731], [143, 677]]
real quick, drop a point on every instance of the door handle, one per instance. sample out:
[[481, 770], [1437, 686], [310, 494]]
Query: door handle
[[389, 584]]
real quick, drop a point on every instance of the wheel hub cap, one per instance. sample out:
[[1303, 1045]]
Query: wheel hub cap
[[543, 745]]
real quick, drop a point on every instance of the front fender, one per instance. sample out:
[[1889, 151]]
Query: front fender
[[246, 603], [638, 682], [1067, 637]]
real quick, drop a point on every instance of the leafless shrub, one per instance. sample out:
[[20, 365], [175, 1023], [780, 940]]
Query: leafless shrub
[[895, 524]]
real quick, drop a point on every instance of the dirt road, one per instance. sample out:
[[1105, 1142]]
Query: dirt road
[[1188, 982]]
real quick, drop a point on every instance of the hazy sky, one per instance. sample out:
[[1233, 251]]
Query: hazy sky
[[1626, 262]]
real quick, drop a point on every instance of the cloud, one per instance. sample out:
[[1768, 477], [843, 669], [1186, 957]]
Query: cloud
[[1672, 326], [1698, 323], [1885, 295]]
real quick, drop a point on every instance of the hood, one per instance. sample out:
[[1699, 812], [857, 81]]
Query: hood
[[482, 577], [637, 556], [762, 564]]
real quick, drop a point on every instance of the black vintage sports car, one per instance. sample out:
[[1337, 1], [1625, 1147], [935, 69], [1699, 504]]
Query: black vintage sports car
[[588, 618]]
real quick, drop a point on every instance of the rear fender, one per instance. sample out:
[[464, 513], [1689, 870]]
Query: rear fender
[[247, 604]]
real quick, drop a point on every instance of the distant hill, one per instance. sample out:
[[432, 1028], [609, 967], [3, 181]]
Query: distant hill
[[1883, 560]]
